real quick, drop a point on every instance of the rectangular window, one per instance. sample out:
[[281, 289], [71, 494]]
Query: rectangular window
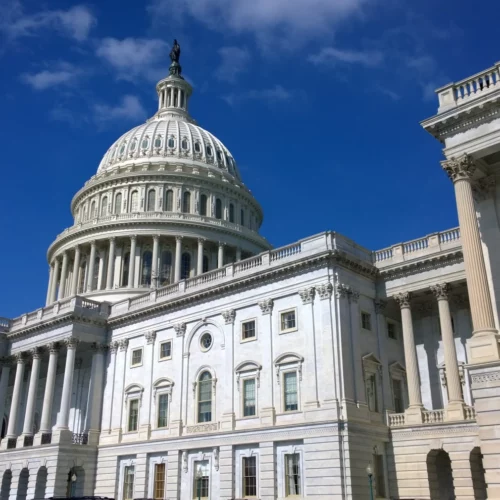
[[248, 330], [162, 410], [128, 482], [397, 389], [391, 330], [378, 461], [366, 321], [288, 321], [290, 391], [159, 482], [249, 476], [249, 397], [292, 475], [166, 350], [371, 392], [137, 357], [133, 414], [201, 480]]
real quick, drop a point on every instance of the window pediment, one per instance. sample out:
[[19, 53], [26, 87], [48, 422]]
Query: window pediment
[[288, 358], [397, 368], [371, 364], [247, 366]]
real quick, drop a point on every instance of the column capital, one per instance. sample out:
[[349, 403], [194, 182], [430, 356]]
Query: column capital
[[440, 291], [76, 248], [133, 237], [380, 306], [156, 237], [461, 168], [222, 244], [113, 346], [112, 238], [178, 238], [403, 299], [20, 358], [36, 353], [71, 342], [150, 337], [201, 241], [307, 295], [93, 243], [6, 361], [229, 316], [324, 291], [266, 306], [123, 344], [53, 347], [98, 348], [180, 329]]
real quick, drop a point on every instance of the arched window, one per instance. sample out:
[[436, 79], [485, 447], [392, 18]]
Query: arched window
[[185, 265], [151, 200], [218, 209], [197, 147], [219, 156], [186, 202], [165, 268], [122, 149], [133, 144], [147, 260], [85, 214], [205, 264], [169, 201], [158, 141], [118, 203], [203, 204], [104, 206], [93, 210], [209, 150], [125, 269], [231, 212], [171, 142], [134, 202], [145, 142], [185, 144], [242, 217], [205, 397]]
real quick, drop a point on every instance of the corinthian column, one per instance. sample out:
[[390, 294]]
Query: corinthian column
[[48, 396], [49, 289], [30, 403], [64, 275], [414, 411], [16, 394], [460, 171], [131, 263], [76, 269], [154, 263], [53, 291], [111, 263], [71, 344], [220, 255], [90, 279], [178, 250], [199, 267]]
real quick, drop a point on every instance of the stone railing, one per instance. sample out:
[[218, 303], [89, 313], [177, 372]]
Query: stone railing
[[473, 87], [470, 413], [433, 416], [395, 419], [421, 247]]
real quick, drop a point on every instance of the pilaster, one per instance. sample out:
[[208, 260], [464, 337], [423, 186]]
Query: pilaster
[[226, 472], [267, 411], [173, 475], [228, 416], [267, 471], [147, 403]]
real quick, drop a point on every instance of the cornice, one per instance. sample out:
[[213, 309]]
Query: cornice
[[416, 431]]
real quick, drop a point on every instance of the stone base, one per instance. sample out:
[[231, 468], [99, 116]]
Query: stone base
[[268, 416], [413, 415], [62, 436], [144, 432], [176, 428], [94, 437], [227, 422], [455, 412], [113, 436], [484, 347]]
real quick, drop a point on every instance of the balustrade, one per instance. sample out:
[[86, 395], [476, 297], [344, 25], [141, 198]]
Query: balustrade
[[433, 416]]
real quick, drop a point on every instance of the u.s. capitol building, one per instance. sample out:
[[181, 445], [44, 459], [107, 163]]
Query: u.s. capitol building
[[180, 356]]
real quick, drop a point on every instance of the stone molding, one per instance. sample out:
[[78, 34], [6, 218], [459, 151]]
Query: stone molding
[[99, 348], [229, 316], [36, 353], [432, 429], [307, 295], [54, 347], [461, 168], [113, 346], [266, 306], [20, 357], [380, 306], [481, 378], [194, 429]]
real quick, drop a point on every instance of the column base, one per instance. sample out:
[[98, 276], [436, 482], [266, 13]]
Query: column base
[[94, 437], [268, 416], [484, 347], [413, 415], [5, 441], [228, 422], [455, 412]]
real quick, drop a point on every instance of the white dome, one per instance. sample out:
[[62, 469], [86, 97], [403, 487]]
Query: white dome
[[169, 137]]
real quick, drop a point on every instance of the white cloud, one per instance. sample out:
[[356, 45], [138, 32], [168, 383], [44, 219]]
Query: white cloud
[[130, 108], [271, 95], [234, 61], [135, 58], [331, 56], [75, 22], [62, 74]]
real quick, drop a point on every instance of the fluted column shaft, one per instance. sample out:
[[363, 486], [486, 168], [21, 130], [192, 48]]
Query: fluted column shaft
[[111, 263], [414, 394], [199, 266], [178, 251], [63, 421], [220, 255], [4, 382], [131, 266], [53, 292], [49, 288], [64, 275], [16, 396], [76, 269], [48, 397], [30, 403], [90, 278], [238, 254], [154, 264], [96, 387]]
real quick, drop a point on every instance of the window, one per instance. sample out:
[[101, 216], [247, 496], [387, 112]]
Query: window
[[169, 200], [166, 350], [171, 142], [145, 143], [147, 259], [128, 482], [201, 480], [397, 390], [250, 476], [185, 144], [185, 265], [372, 370], [288, 321], [206, 341], [151, 200], [197, 147], [218, 209], [133, 144], [290, 391], [118, 203], [391, 330], [292, 475], [366, 321], [371, 392], [104, 206], [134, 202], [231, 212], [203, 204], [209, 151], [248, 330], [137, 357], [122, 149], [205, 264], [186, 202], [205, 397], [133, 414], [159, 482], [163, 410], [165, 267], [379, 476], [242, 217], [249, 397], [158, 141], [125, 269], [219, 156], [93, 210]]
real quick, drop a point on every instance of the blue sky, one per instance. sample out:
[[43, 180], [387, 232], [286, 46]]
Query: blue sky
[[318, 100]]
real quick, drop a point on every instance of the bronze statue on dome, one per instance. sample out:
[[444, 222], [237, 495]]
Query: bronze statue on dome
[[175, 53]]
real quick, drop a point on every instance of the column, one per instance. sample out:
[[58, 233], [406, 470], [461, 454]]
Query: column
[[414, 412], [147, 403], [31, 401], [76, 270], [69, 369], [64, 275], [131, 266], [100, 272], [238, 254], [117, 422], [199, 269], [4, 382], [49, 288], [90, 278], [178, 250], [220, 255], [53, 291], [455, 408], [111, 263], [95, 399], [48, 397], [154, 263], [228, 413], [16, 395]]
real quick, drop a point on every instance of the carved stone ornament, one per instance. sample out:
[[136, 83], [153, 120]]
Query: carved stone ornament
[[216, 458], [185, 461], [324, 291], [180, 329], [36, 353], [54, 347], [380, 306], [266, 306], [440, 291], [229, 316], [307, 295], [193, 429], [403, 299], [71, 342], [20, 357], [461, 168], [354, 296], [341, 290], [98, 348], [113, 346], [150, 337], [123, 344]]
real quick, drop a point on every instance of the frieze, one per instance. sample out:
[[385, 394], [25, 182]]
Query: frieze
[[194, 429], [412, 432], [481, 378]]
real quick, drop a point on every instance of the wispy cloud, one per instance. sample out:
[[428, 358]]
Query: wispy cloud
[[271, 95], [130, 108], [63, 73], [234, 61], [388, 93], [135, 58], [329, 56]]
